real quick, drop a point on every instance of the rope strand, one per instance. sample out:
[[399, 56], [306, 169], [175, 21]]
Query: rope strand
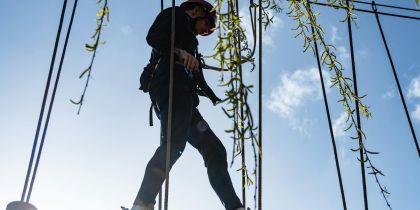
[[169, 128], [413, 133], [57, 79], [239, 54], [44, 100], [327, 109], [387, 6], [160, 134], [359, 135], [260, 140], [367, 11]]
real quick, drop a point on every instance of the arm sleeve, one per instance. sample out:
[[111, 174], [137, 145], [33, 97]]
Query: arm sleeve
[[159, 35], [205, 88]]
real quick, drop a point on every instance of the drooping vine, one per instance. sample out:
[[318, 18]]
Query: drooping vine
[[301, 12], [234, 52], [102, 16]]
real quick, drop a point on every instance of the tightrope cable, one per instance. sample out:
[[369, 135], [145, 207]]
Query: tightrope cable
[[327, 109], [387, 6], [359, 135], [413, 133], [160, 190], [366, 11], [260, 143], [242, 135], [57, 79], [44, 100], [169, 126]]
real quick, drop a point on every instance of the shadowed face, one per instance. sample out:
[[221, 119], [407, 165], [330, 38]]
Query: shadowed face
[[202, 23], [201, 26]]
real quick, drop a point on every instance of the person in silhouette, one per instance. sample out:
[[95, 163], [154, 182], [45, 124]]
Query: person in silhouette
[[193, 18]]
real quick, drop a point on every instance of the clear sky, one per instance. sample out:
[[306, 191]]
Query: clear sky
[[96, 160]]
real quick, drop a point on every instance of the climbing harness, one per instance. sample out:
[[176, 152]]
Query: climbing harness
[[147, 74], [202, 88]]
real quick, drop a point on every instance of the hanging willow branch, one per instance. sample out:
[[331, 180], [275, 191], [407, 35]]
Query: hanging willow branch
[[301, 12], [102, 14], [234, 52]]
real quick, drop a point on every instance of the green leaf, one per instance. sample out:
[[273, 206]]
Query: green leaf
[[76, 103], [90, 48], [84, 72]]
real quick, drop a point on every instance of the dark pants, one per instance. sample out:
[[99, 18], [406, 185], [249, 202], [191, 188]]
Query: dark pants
[[187, 125]]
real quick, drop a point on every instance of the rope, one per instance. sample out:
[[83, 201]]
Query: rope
[[367, 11], [387, 6], [233, 86], [253, 19], [41, 115], [361, 148], [337, 164], [57, 79], [241, 115], [396, 77], [169, 126], [160, 190], [260, 106]]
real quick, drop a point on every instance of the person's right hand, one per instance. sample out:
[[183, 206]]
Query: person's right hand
[[190, 62]]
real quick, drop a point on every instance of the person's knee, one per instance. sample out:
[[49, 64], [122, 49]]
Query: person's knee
[[201, 126], [176, 151]]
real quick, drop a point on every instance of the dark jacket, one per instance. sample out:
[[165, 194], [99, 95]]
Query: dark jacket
[[159, 38]]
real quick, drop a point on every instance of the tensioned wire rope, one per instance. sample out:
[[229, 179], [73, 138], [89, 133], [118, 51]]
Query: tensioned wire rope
[[387, 6], [359, 125], [52, 99], [369, 11], [44, 100], [233, 8], [257, 153], [238, 52], [41, 115], [169, 125], [160, 190], [413, 133], [260, 152], [327, 110]]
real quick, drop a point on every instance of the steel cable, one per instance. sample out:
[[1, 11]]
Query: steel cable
[[44, 100]]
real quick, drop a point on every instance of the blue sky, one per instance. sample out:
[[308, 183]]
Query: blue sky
[[96, 160]]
